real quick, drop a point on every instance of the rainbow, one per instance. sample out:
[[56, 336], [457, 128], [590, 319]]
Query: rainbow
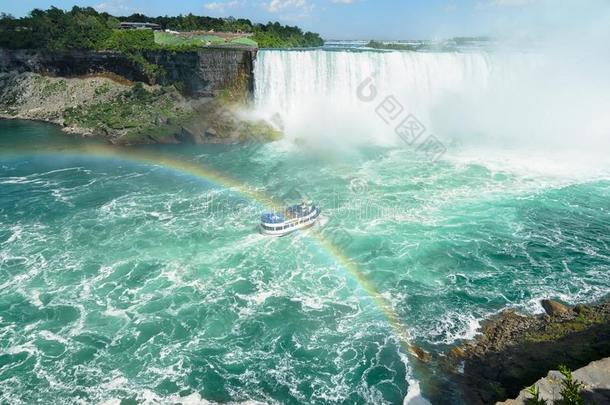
[[197, 170]]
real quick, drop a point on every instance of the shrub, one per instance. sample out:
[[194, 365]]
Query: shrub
[[133, 43], [138, 92], [130, 41], [570, 388]]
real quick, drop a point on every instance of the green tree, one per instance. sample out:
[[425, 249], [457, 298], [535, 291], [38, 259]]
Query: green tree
[[85, 28]]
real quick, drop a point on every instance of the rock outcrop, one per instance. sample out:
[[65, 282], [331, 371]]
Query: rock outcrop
[[193, 96], [554, 308], [124, 113], [200, 73], [595, 379], [513, 351]]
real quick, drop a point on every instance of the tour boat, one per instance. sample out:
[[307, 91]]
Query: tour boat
[[292, 219]]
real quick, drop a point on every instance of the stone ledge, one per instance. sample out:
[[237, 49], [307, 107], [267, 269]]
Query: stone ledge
[[595, 377]]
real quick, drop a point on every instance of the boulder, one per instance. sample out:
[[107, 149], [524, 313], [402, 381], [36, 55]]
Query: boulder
[[420, 353], [211, 133], [554, 308]]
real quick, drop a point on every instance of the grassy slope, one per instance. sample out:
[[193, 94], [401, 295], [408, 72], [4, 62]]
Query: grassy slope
[[167, 39]]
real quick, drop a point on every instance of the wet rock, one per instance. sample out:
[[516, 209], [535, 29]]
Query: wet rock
[[513, 351], [420, 353], [554, 308], [186, 136], [457, 353]]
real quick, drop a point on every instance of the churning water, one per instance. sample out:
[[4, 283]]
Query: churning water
[[138, 275]]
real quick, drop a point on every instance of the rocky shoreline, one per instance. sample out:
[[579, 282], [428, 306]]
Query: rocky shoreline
[[122, 112], [594, 379], [513, 351]]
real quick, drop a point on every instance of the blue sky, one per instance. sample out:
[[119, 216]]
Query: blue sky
[[338, 19]]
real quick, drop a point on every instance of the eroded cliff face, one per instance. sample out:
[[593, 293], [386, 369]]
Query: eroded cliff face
[[196, 96], [208, 71], [196, 74], [124, 113]]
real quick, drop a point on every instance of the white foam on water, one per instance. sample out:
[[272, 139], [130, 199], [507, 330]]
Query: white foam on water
[[111, 401], [35, 298], [414, 395], [503, 108], [311, 302], [191, 277]]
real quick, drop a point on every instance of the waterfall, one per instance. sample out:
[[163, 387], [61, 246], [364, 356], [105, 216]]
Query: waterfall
[[530, 100], [310, 90], [287, 81]]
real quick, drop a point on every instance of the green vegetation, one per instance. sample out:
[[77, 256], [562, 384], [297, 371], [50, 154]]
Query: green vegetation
[[182, 41], [103, 89], [270, 35], [570, 391], [80, 28], [245, 42], [135, 110], [133, 43], [570, 388], [393, 47], [49, 87], [274, 35], [85, 28], [130, 41], [557, 330], [534, 391], [470, 40]]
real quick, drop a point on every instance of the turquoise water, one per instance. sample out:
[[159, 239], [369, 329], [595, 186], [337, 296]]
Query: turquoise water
[[126, 282]]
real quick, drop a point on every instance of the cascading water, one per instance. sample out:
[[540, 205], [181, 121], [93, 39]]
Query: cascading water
[[289, 81], [310, 89], [491, 103]]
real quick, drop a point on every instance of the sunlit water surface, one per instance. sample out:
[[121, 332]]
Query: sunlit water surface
[[129, 281]]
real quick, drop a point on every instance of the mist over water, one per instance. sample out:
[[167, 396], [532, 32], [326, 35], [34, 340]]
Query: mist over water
[[526, 104]]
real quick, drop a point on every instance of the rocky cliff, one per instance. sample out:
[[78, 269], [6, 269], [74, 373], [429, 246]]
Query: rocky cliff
[[201, 73], [196, 96], [514, 350], [121, 112]]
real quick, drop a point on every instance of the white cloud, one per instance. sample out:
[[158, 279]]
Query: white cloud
[[116, 7], [275, 6], [221, 6], [343, 1]]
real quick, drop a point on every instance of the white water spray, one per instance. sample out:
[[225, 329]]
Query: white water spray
[[503, 105]]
